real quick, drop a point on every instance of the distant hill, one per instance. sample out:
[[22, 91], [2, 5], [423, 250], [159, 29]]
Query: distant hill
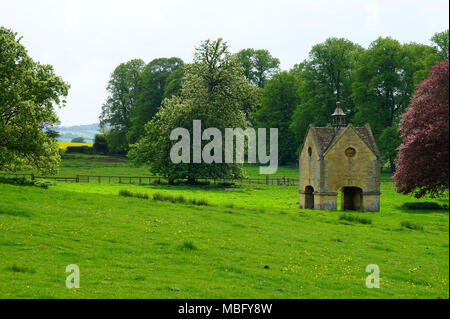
[[87, 131]]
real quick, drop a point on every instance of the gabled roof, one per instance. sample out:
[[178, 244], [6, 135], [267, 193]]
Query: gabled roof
[[326, 137]]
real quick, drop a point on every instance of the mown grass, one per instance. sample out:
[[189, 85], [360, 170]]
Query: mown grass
[[250, 241]]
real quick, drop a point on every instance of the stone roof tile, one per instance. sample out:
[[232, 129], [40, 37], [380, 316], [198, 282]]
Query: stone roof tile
[[326, 136]]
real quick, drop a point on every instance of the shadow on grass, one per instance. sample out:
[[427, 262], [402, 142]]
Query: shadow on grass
[[424, 208], [18, 213]]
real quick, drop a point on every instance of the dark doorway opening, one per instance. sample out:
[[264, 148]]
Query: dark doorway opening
[[351, 198], [309, 197]]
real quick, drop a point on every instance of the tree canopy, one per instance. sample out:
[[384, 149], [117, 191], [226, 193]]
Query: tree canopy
[[214, 91], [29, 93], [279, 99], [423, 166], [152, 88], [326, 77], [259, 65], [440, 42]]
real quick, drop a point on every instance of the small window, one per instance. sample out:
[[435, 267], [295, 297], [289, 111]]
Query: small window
[[350, 152], [309, 151]]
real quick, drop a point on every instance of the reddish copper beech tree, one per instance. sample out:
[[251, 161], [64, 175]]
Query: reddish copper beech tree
[[422, 164]]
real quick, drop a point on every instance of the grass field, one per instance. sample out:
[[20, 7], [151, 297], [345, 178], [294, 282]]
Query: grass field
[[249, 241]]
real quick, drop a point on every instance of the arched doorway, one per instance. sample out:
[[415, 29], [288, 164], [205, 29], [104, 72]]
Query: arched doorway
[[309, 197], [351, 198]]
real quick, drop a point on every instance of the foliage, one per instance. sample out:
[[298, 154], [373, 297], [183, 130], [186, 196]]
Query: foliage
[[423, 159], [29, 92], [388, 142], [278, 102], [441, 42], [100, 144], [80, 149], [326, 77], [78, 140], [122, 92], [384, 82], [116, 141], [52, 133], [259, 65], [214, 91], [158, 80], [22, 181]]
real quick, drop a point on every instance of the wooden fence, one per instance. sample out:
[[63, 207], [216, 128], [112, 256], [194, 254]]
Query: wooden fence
[[154, 180]]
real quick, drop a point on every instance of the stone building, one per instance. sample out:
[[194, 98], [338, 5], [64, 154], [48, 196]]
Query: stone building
[[339, 157]]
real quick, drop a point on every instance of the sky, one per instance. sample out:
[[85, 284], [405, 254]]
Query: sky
[[85, 40]]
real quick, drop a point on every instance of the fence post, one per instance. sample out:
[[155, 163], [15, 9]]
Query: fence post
[[32, 177], [77, 179]]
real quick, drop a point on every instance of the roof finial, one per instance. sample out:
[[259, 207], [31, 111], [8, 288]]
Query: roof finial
[[338, 116]]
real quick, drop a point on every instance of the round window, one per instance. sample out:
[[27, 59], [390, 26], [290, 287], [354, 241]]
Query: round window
[[350, 152]]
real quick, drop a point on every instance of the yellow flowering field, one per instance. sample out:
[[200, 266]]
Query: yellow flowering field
[[64, 145]]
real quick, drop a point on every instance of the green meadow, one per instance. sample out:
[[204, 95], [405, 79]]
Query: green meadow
[[239, 241]]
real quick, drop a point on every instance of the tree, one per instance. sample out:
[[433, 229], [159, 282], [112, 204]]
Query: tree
[[78, 140], [384, 82], [422, 166], [214, 91], [122, 89], [53, 134], [151, 90], [174, 82], [440, 41], [116, 141], [100, 143], [29, 92], [278, 102], [326, 77], [259, 65], [388, 142]]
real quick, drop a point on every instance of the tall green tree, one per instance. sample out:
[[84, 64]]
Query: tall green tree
[[151, 90], [122, 93], [326, 77], [279, 99], [214, 91], [440, 42], [384, 82], [29, 92], [259, 65]]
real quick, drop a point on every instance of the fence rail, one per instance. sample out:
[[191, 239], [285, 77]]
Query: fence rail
[[152, 180]]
